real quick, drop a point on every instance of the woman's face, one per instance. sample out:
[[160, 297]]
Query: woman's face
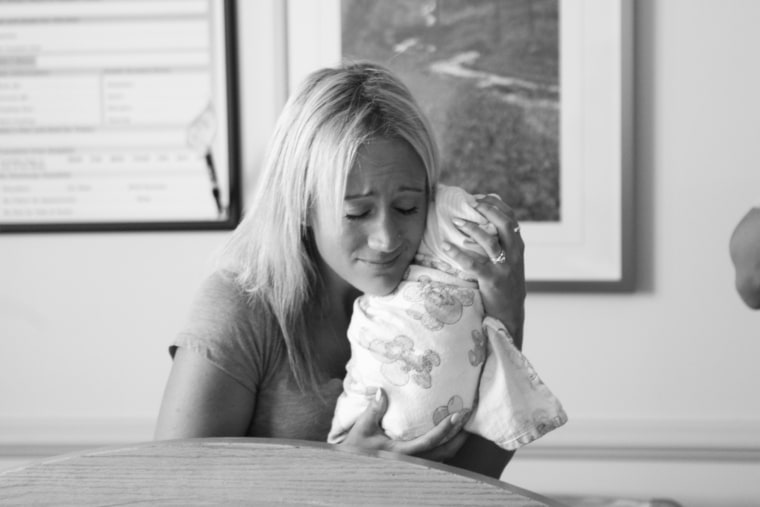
[[382, 222]]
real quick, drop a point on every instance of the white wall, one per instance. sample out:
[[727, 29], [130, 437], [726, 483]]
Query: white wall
[[660, 385], [671, 369], [85, 319]]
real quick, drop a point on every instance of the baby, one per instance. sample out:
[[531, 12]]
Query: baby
[[430, 347]]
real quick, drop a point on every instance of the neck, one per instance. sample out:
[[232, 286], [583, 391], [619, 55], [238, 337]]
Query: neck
[[335, 297]]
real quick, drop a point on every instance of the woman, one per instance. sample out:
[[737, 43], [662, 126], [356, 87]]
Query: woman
[[339, 211]]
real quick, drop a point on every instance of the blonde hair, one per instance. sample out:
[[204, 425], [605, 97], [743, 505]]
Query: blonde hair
[[322, 126]]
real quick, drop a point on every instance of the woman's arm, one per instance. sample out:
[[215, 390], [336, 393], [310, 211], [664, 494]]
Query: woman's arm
[[502, 283], [502, 286], [481, 456], [200, 400], [442, 442], [446, 442]]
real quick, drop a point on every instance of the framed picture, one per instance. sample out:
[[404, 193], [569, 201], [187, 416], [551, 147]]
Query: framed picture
[[118, 115], [530, 99]]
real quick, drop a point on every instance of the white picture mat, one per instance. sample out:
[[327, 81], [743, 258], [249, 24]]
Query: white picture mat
[[586, 245]]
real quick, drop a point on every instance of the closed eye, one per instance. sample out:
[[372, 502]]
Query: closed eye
[[408, 211], [356, 216], [403, 211]]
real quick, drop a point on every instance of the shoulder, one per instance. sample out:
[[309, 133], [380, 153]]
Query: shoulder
[[222, 284], [222, 298], [231, 328]]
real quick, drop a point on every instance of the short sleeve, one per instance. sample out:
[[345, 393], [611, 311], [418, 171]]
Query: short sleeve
[[228, 329]]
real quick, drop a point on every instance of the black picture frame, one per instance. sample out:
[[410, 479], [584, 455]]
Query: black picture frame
[[224, 176]]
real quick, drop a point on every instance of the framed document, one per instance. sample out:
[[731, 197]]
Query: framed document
[[528, 99], [118, 115]]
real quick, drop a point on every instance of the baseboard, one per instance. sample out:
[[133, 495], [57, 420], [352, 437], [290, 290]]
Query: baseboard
[[733, 441], [651, 454], [704, 440], [33, 437]]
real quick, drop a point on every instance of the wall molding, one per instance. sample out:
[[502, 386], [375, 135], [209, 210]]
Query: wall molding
[[38, 437], [667, 439], [703, 440], [691, 455]]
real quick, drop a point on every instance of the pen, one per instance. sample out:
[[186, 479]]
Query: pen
[[214, 183]]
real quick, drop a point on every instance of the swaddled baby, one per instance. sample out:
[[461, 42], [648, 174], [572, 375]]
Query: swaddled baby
[[434, 352]]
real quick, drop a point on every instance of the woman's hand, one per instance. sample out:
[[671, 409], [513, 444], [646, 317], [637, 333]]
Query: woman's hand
[[502, 276], [440, 443]]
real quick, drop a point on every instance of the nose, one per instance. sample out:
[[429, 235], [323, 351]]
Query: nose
[[384, 235]]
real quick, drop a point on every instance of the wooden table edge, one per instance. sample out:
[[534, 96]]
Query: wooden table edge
[[292, 443]]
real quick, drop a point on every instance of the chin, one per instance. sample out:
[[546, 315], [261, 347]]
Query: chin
[[381, 287]]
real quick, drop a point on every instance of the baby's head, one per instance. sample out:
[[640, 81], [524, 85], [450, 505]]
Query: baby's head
[[450, 202]]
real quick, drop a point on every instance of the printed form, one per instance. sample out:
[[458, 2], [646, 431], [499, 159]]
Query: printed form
[[107, 111]]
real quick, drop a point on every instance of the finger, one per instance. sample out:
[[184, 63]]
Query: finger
[[368, 422], [458, 419], [469, 261], [432, 438], [447, 450], [495, 201], [496, 212], [488, 242], [506, 223]]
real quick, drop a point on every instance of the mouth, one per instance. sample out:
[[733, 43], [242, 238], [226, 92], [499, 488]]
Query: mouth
[[386, 261]]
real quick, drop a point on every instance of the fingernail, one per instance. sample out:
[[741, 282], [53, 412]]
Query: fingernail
[[468, 241], [479, 196], [379, 395], [456, 418], [458, 222]]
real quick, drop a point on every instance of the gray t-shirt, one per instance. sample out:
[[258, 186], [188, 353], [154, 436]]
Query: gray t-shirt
[[241, 337]]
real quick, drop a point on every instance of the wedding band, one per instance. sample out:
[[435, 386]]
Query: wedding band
[[516, 229], [500, 259]]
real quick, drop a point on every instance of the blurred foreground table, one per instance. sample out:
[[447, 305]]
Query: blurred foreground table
[[251, 471]]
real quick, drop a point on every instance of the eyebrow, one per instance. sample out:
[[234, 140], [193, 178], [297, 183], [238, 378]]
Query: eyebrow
[[417, 190]]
